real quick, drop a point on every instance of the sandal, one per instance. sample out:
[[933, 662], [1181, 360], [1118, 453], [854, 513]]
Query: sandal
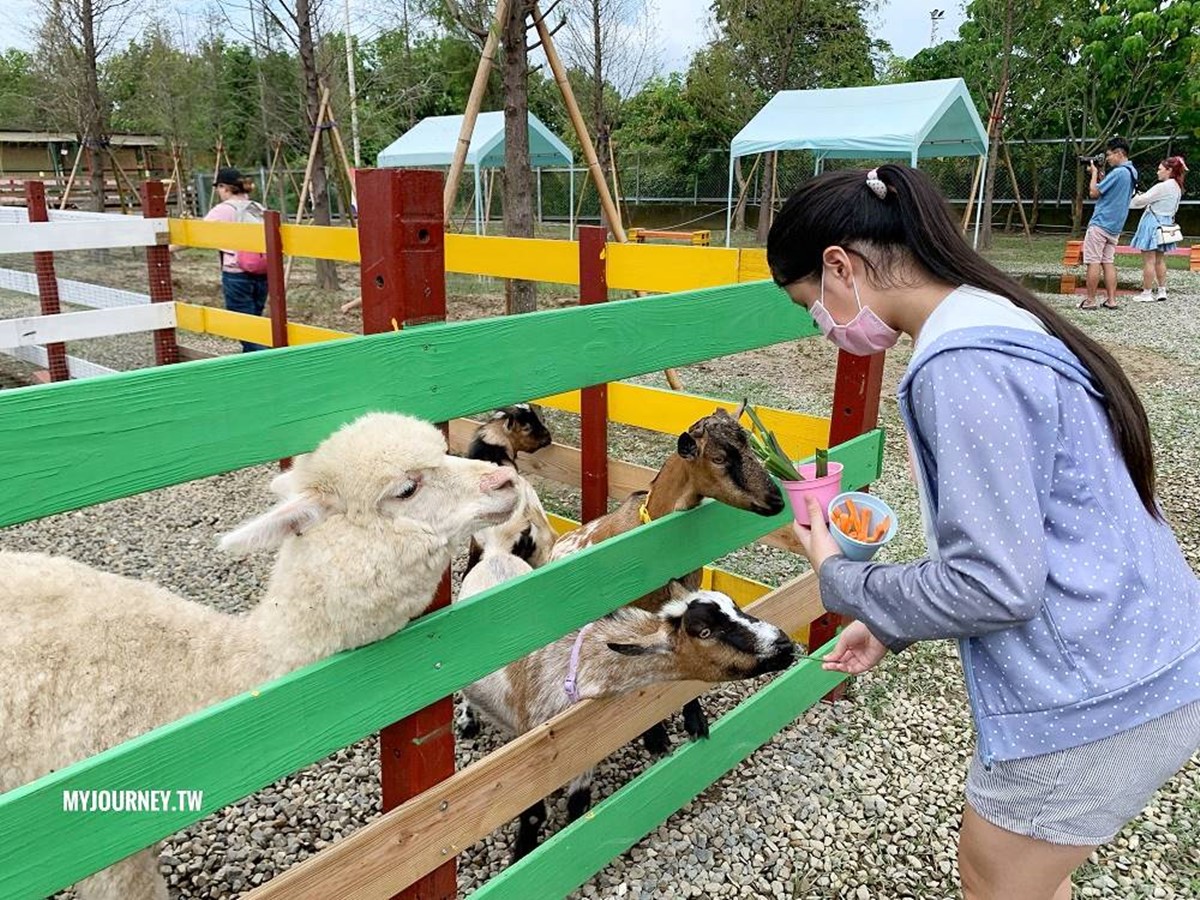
[[1083, 304], [1108, 305]]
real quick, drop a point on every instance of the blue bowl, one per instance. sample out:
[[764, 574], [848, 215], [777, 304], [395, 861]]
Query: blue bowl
[[852, 548]]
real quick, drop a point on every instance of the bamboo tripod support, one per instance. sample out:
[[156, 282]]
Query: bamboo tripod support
[[486, 60], [217, 163], [589, 150], [62, 204], [325, 121]]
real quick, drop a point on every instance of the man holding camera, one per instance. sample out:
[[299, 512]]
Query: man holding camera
[[1112, 194]]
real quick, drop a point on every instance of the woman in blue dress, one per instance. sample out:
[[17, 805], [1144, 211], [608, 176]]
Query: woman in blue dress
[[1160, 204]]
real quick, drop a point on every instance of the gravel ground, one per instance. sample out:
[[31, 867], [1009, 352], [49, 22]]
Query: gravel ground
[[858, 799]]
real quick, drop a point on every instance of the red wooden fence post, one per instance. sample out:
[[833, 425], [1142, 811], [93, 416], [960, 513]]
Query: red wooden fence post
[[276, 290], [855, 411], [47, 281], [593, 404], [403, 282], [158, 265], [276, 282]]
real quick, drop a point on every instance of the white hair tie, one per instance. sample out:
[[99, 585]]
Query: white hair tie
[[876, 185]]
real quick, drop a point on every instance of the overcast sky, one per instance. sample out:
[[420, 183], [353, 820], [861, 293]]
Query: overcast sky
[[683, 24]]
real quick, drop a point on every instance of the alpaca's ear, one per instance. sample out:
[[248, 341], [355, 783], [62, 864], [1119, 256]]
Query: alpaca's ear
[[267, 531], [286, 484]]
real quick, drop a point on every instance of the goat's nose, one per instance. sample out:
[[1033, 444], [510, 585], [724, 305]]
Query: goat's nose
[[493, 481]]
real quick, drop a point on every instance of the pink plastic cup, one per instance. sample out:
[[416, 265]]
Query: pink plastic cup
[[824, 489]]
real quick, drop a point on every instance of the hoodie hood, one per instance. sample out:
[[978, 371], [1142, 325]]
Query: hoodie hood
[[1035, 346]]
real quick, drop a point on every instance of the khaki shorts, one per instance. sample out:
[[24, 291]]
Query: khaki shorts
[[1098, 245]]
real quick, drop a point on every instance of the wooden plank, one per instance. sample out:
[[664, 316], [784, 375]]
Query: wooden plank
[[320, 242], [532, 259], [399, 847], [567, 859], [241, 326], [188, 421], [236, 747], [77, 326], [123, 231], [632, 266], [78, 368], [593, 400], [656, 267], [752, 265], [671, 412]]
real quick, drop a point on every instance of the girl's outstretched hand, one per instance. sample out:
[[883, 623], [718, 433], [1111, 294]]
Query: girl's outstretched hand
[[856, 651], [816, 540]]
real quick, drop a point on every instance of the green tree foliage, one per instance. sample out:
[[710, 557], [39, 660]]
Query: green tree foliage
[[18, 90]]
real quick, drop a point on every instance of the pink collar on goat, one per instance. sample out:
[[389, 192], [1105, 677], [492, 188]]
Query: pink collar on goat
[[569, 684]]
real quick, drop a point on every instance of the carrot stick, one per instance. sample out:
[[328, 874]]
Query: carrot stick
[[864, 523], [851, 508], [880, 531]]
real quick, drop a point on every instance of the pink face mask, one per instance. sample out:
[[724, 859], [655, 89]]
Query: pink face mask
[[864, 335]]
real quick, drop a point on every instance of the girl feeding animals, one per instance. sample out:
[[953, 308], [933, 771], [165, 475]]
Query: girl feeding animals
[[1049, 557]]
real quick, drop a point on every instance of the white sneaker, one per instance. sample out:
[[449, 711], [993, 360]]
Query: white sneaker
[[1145, 297], [1162, 294]]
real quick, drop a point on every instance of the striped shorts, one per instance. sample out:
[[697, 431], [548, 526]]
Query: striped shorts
[[1083, 796]]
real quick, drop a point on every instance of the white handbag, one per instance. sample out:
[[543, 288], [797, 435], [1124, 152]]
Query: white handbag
[[1166, 234]]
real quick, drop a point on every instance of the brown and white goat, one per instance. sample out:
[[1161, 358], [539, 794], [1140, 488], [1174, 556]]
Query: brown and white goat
[[712, 459], [508, 431], [695, 636]]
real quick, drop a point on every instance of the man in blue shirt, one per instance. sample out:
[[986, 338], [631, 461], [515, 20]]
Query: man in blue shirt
[[1112, 194]]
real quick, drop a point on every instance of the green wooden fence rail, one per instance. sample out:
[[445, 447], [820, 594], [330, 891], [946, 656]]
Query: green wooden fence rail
[[70, 445]]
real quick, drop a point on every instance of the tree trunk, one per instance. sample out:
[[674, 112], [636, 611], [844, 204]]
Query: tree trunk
[[1081, 183], [996, 129], [766, 208], [739, 211], [519, 296], [95, 122], [327, 276], [599, 125]]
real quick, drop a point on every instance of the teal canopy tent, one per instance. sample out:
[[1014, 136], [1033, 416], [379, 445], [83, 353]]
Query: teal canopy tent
[[430, 144], [912, 121]]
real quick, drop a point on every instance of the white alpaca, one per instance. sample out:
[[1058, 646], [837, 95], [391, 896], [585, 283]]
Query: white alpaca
[[367, 526]]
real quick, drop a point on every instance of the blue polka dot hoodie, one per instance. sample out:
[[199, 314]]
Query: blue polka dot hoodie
[[1076, 614]]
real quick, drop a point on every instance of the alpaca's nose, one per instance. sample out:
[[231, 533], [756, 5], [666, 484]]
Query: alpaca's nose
[[502, 477]]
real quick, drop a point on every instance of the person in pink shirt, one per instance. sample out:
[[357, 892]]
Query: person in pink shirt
[[243, 275]]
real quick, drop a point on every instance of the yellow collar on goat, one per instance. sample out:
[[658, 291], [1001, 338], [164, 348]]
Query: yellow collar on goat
[[644, 509]]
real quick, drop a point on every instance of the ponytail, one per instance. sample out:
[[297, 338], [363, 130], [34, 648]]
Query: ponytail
[[914, 222]]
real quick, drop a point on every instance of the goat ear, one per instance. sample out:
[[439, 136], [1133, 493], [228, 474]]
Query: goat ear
[[498, 415], [687, 446], [267, 531], [658, 648], [677, 590]]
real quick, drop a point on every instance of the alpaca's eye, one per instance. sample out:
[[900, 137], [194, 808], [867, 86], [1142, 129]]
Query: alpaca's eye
[[718, 459], [407, 489], [705, 634]]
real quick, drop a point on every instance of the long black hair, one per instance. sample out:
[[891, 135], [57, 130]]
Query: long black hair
[[913, 223]]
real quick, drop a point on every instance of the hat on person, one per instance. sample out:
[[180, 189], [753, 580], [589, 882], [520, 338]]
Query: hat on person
[[230, 176]]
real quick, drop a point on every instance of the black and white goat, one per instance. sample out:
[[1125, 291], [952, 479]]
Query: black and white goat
[[695, 636], [508, 431]]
